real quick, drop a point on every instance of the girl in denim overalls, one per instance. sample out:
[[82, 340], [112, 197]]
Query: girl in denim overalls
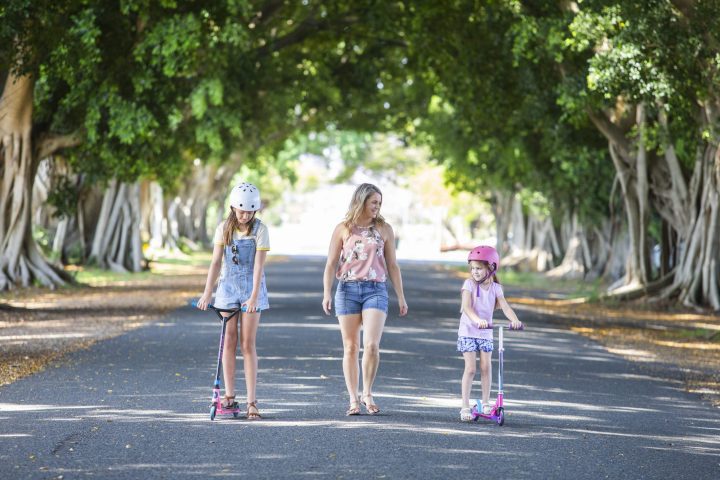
[[241, 246]]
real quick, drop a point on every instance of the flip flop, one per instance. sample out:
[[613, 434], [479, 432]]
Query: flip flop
[[372, 409]]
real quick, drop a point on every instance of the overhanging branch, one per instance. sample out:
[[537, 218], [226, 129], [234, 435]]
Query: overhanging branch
[[50, 144]]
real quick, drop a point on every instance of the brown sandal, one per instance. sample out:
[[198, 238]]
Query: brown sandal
[[253, 415], [371, 408], [354, 408], [228, 402]]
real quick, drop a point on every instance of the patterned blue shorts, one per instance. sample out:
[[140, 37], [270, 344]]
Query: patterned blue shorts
[[472, 344]]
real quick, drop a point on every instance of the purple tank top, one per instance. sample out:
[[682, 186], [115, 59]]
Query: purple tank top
[[362, 256]]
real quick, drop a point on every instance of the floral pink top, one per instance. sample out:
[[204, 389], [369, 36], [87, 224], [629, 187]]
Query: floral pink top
[[362, 256]]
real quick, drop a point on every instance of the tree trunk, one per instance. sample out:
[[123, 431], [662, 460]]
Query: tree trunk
[[697, 280], [156, 221], [21, 262], [501, 206], [116, 243], [516, 235], [632, 173], [542, 247], [59, 239], [573, 264]]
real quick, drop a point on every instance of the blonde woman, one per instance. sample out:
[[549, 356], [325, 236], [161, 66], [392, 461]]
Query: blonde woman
[[362, 257]]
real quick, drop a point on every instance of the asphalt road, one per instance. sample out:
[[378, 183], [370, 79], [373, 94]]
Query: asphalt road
[[136, 406]]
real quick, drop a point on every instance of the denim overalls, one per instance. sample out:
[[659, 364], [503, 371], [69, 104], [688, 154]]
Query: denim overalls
[[236, 281]]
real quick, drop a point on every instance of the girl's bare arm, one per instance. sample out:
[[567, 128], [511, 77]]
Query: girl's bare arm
[[213, 273], [509, 312], [258, 269], [470, 312]]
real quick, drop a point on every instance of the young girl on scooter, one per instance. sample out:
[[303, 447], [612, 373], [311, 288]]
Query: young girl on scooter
[[481, 294], [241, 246]]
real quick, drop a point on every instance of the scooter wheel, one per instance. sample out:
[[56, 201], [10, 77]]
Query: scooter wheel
[[236, 414], [213, 410], [501, 416]]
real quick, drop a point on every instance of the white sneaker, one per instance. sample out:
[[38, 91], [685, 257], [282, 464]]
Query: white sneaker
[[487, 409]]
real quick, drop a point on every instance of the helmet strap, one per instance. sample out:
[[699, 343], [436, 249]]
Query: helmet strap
[[487, 275]]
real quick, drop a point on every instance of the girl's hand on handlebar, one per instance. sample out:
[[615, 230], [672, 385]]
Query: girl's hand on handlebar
[[482, 324], [516, 325], [202, 303], [250, 306]]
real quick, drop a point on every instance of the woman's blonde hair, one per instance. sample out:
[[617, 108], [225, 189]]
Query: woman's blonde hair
[[232, 224], [357, 205]]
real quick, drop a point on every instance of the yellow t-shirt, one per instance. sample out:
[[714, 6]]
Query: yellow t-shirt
[[262, 238]]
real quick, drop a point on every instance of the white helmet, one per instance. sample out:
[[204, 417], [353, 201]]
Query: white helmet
[[246, 197]]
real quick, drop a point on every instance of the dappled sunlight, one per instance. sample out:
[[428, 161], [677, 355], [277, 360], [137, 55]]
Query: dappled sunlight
[[135, 415], [209, 469], [634, 353], [691, 449], [291, 358], [635, 376], [46, 336], [319, 326], [533, 388], [387, 351], [25, 407], [295, 386], [583, 407], [689, 345], [392, 330], [667, 439], [463, 451], [581, 307], [443, 368], [354, 424]]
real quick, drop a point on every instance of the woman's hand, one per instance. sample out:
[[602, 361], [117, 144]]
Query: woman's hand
[[327, 304], [403, 307], [202, 304]]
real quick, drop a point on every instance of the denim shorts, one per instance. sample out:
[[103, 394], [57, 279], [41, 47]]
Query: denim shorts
[[354, 297], [472, 344]]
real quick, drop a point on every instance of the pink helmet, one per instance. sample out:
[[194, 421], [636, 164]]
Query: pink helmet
[[483, 253]]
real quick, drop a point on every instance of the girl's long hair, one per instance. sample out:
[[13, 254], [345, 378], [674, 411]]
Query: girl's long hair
[[357, 206], [232, 224]]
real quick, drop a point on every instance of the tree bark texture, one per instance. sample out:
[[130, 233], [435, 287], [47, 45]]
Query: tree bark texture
[[697, 279], [116, 243], [21, 261]]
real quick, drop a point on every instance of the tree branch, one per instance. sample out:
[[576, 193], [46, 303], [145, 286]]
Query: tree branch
[[611, 132], [306, 29], [50, 144], [268, 10], [685, 6]]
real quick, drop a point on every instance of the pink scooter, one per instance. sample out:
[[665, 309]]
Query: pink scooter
[[497, 414], [216, 407]]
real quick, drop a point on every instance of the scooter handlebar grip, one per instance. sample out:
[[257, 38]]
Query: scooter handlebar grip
[[194, 304]]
